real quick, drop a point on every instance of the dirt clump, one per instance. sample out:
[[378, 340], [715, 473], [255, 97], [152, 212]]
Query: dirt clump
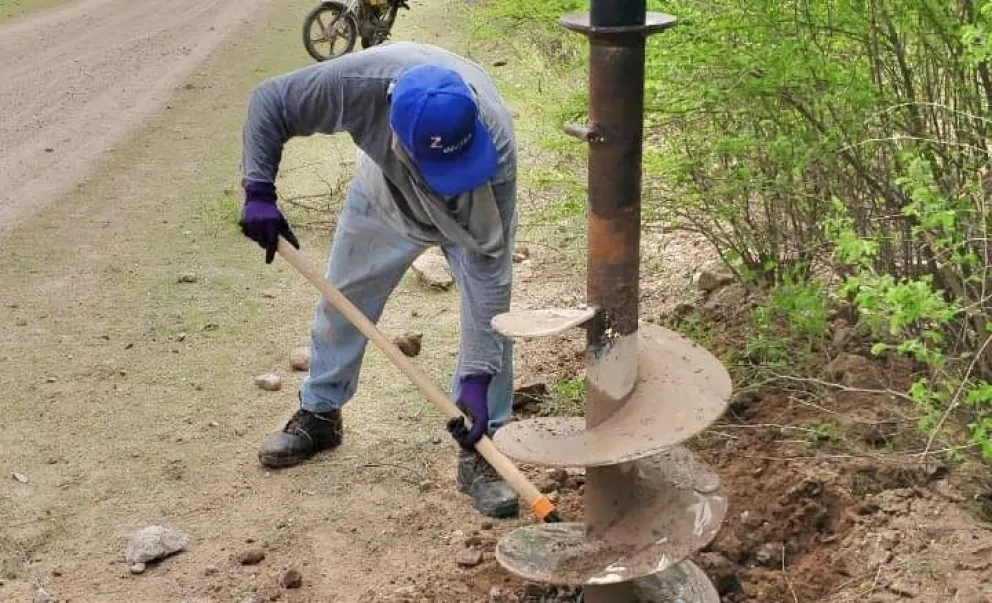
[[409, 343], [252, 556]]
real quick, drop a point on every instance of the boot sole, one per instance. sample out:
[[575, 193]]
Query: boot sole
[[281, 462]]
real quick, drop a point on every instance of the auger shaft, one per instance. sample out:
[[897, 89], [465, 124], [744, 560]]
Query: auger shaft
[[616, 108], [649, 504]]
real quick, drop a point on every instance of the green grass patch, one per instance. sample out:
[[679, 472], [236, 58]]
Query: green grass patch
[[13, 9]]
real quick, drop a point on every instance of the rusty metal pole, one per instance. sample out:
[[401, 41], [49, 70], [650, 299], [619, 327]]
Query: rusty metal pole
[[649, 504], [616, 108]]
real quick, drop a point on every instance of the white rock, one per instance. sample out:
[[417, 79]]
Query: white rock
[[712, 276], [299, 359], [270, 382], [432, 270], [154, 542]]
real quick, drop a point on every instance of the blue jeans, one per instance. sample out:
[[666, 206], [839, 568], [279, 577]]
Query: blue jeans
[[368, 259]]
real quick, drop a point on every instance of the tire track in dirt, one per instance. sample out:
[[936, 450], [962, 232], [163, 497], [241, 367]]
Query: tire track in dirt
[[75, 80]]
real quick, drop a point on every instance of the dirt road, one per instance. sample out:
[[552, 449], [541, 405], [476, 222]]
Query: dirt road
[[134, 316], [76, 79]]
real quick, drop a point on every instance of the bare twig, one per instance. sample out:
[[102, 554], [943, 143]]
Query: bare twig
[[838, 386], [874, 583], [812, 457], [786, 576], [904, 138], [956, 400]]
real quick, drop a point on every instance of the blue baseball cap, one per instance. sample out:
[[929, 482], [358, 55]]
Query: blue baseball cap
[[435, 115]]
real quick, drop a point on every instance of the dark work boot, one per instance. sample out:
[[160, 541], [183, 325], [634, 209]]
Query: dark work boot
[[491, 496], [303, 436]]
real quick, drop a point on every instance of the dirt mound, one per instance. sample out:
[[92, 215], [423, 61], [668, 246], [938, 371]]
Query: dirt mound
[[780, 539]]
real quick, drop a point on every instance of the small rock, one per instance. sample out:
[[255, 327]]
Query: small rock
[[409, 343], [432, 270], [469, 558], [499, 63], [210, 570], [299, 358], [154, 542], [529, 392], [769, 554], [520, 254], [711, 277], [188, 278], [214, 424], [852, 370], [270, 293], [426, 486], [252, 556], [731, 299], [546, 485], [486, 525], [49, 149], [19, 477], [291, 579], [21, 322], [137, 568], [270, 382]]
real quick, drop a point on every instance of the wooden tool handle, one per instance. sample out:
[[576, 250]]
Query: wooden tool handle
[[539, 503]]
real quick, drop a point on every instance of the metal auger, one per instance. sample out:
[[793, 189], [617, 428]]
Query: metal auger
[[649, 504]]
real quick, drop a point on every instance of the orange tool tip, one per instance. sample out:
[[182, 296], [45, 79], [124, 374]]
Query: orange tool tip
[[545, 510]]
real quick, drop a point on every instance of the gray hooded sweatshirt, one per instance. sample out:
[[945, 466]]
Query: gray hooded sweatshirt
[[350, 94]]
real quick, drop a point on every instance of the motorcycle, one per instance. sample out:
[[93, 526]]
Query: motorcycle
[[338, 25]]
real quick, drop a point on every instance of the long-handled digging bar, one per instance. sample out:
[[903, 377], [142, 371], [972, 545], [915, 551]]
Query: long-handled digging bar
[[543, 508]]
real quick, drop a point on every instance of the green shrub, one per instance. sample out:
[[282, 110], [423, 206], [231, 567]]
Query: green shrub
[[813, 138]]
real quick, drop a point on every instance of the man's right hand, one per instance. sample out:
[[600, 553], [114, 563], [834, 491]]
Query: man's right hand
[[262, 222]]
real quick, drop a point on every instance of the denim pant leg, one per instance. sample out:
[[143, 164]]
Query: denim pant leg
[[500, 393], [368, 259]]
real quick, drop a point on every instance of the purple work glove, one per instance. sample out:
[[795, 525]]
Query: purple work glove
[[474, 402], [261, 220]]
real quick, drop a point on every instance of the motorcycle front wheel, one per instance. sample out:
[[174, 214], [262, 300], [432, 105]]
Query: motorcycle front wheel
[[329, 31]]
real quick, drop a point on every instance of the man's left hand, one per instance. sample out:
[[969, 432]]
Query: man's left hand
[[474, 402]]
